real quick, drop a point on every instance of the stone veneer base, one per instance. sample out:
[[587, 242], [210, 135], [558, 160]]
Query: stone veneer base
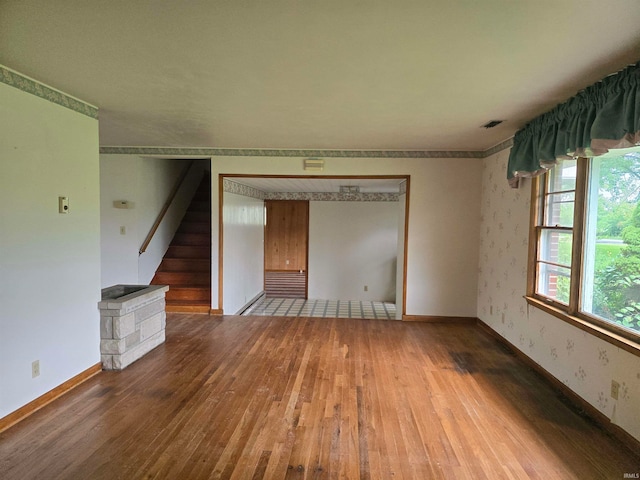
[[132, 324]]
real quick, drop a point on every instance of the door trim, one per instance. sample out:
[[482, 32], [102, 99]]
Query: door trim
[[222, 176]]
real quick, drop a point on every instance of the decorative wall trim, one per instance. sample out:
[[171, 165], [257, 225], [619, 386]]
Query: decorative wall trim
[[28, 85], [264, 152], [333, 196], [239, 189], [508, 143]]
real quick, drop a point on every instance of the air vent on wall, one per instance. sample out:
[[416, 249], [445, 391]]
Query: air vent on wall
[[492, 123], [313, 164]]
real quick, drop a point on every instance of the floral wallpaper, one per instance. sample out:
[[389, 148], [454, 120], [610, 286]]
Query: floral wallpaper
[[583, 362]]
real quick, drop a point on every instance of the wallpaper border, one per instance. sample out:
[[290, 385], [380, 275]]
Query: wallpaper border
[[237, 188], [28, 85], [508, 143], [333, 196], [269, 152], [230, 186]]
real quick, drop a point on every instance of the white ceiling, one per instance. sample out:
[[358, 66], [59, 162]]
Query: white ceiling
[[331, 74]]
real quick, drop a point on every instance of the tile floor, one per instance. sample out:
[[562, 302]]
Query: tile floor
[[297, 307]]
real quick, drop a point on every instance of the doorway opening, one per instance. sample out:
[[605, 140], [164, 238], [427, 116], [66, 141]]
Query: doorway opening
[[286, 248], [355, 247]]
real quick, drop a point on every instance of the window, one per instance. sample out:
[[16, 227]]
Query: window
[[585, 253], [556, 233]]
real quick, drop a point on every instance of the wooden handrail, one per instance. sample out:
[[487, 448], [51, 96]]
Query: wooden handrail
[[165, 208]]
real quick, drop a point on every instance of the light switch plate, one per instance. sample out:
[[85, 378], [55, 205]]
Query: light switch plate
[[63, 204]]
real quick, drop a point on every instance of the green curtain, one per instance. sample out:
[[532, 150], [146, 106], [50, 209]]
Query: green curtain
[[603, 116]]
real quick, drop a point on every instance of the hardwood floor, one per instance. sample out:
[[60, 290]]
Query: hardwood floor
[[272, 398]]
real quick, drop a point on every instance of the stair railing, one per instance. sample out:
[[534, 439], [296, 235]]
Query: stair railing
[[165, 208]]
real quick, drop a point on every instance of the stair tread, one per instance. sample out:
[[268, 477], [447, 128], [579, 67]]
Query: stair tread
[[199, 277], [183, 271], [191, 309], [186, 256], [178, 264], [187, 302], [189, 260], [205, 251], [178, 286]]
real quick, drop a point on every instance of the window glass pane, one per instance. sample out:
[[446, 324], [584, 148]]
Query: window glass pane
[[556, 247], [559, 209], [563, 176], [611, 268], [554, 282]]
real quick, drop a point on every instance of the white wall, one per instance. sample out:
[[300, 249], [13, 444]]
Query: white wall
[[146, 183], [244, 250], [49, 262], [353, 244], [583, 362], [444, 221], [119, 253]]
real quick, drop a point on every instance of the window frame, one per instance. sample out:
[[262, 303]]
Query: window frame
[[570, 313]]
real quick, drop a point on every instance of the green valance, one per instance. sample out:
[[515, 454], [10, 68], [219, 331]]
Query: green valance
[[605, 115]]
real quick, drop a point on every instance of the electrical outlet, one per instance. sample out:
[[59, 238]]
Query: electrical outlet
[[615, 387], [35, 368]]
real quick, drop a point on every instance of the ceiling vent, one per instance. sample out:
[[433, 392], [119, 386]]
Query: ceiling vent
[[492, 123]]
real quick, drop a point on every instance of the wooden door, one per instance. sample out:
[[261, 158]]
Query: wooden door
[[286, 245]]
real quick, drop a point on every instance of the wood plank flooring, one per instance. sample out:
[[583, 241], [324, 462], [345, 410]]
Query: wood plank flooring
[[275, 398]]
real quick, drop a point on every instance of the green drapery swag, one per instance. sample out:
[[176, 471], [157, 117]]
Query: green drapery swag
[[605, 115]]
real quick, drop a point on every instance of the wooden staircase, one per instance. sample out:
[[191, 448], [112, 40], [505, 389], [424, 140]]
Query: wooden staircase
[[186, 267]]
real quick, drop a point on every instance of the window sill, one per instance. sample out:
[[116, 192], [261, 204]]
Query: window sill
[[617, 339]]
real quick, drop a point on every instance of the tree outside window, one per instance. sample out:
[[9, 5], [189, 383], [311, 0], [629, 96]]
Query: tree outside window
[[591, 206]]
